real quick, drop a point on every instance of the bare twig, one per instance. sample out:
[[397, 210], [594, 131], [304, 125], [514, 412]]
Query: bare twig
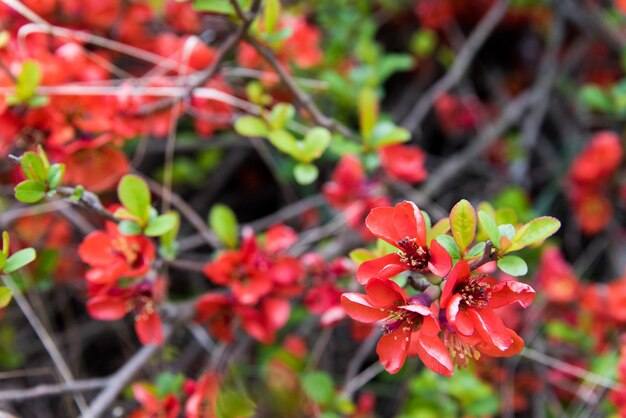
[[40, 391], [462, 62]]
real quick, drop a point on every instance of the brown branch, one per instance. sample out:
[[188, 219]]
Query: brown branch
[[40, 391], [462, 62], [488, 255], [210, 72]]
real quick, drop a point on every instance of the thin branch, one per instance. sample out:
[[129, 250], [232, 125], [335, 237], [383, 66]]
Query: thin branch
[[46, 339], [41, 391], [210, 72], [462, 62]]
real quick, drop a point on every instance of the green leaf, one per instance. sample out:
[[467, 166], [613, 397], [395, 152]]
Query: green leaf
[[19, 259], [305, 173], [450, 245], [223, 222], [129, 228], [315, 143], [3, 260], [160, 225], [281, 115], [271, 14], [55, 175], [476, 250], [489, 226], [535, 231], [360, 255], [463, 224], [285, 142], [33, 167], [134, 194], [5, 296], [440, 228], [368, 113], [251, 126], [214, 6], [595, 98], [318, 386], [513, 265], [506, 230], [423, 42], [30, 191], [387, 133], [169, 383], [27, 81], [231, 404]]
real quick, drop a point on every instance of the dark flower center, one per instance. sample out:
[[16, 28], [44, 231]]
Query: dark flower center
[[475, 292], [414, 256], [401, 318]]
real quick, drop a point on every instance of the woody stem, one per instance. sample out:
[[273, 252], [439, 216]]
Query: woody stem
[[487, 256]]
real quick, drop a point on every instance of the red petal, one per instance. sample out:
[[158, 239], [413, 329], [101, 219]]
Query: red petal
[[392, 349], [106, 308], [515, 348], [459, 319], [145, 397], [384, 293], [433, 353], [409, 222], [358, 308], [509, 292], [440, 261], [95, 249], [249, 292], [459, 272], [389, 265], [491, 328], [279, 238], [380, 223], [148, 328], [276, 312], [209, 304]]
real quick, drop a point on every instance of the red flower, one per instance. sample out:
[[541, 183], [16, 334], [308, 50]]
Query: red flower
[[217, 311], [112, 303], [410, 326], [556, 277], [350, 192], [151, 406], [112, 255], [599, 159], [245, 271], [404, 162], [469, 304], [592, 210], [262, 322], [203, 400], [403, 227]]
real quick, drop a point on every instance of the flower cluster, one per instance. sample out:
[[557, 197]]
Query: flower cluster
[[451, 320]]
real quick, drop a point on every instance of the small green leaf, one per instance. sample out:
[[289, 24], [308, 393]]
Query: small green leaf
[[360, 255], [55, 175], [5, 296], [281, 115], [27, 81], [450, 245], [595, 98], [285, 142], [315, 143], [19, 259], [513, 265], [489, 226], [214, 6], [387, 133], [476, 250], [463, 224], [223, 222], [440, 228], [318, 386], [3, 260], [160, 225], [134, 194], [129, 228], [232, 404], [535, 231], [33, 167], [368, 113], [305, 173], [251, 126], [30, 191], [271, 13], [506, 230]]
